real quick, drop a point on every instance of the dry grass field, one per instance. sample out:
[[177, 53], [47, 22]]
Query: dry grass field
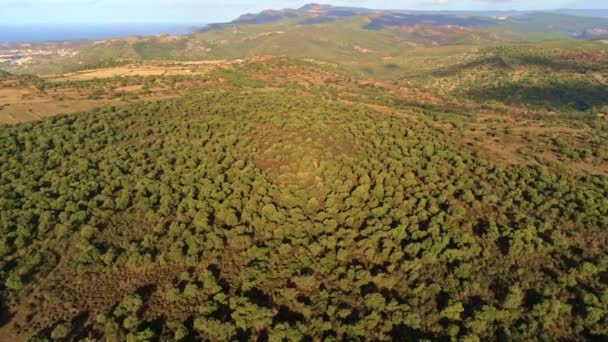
[[21, 102], [145, 69], [24, 104], [27, 104]]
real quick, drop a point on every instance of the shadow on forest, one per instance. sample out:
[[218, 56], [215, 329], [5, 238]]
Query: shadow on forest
[[406, 334], [556, 63], [577, 95], [5, 315], [500, 62]]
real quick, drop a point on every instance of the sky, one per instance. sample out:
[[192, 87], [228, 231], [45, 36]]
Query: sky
[[198, 12]]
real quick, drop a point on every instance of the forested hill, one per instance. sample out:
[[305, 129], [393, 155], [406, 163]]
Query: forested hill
[[255, 209], [315, 174]]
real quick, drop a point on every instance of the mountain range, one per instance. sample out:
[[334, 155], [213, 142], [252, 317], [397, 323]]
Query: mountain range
[[549, 21], [336, 34]]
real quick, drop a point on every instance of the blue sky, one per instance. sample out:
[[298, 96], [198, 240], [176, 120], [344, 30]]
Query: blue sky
[[206, 11]]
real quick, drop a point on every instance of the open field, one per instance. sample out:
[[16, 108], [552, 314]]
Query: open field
[[143, 69], [26, 104], [38, 107], [28, 100]]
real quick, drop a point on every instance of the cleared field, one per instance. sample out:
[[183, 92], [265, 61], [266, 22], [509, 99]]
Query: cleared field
[[22, 102], [27, 104], [148, 69], [30, 111], [37, 106]]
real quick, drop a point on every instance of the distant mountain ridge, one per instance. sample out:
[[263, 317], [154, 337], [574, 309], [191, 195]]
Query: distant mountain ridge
[[316, 13], [313, 13], [343, 35], [600, 13], [570, 23]]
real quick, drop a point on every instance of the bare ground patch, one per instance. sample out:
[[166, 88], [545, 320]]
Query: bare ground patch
[[167, 69], [25, 104]]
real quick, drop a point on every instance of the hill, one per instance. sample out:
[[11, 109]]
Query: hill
[[550, 74], [338, 34], [314, 174], [346, 34], [309, 206]]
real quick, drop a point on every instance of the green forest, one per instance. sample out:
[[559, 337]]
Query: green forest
[[265, 214]]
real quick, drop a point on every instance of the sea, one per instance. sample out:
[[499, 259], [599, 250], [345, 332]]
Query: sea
[[37, 33]]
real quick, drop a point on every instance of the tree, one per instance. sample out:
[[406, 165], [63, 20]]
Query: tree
[[61, 331], [214, 330], [270, 212], [514, 299], [181, 332], [312, 205], [453, 311]]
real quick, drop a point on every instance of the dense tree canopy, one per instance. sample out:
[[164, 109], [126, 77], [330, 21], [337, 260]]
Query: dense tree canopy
[[263, 215]]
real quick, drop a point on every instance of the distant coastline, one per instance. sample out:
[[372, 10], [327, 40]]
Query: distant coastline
[[36, 33]]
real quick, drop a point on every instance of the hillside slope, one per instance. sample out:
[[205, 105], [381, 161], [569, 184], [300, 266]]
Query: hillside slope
[[314, 174], [312, 207]]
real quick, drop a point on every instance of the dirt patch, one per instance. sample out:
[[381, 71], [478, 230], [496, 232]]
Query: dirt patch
[[94, 294], [18, 95], [418, 95], [268, 165], [518, 75], [506, 152], [591, 168], [599, 77], [129, 89], [30, 111], [362, 49]]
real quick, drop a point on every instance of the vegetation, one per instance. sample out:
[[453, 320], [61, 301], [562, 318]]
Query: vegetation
[[550, 75], [266, 215], [354, 37], [402, 184]]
